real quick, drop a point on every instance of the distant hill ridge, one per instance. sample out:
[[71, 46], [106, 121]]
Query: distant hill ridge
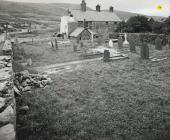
[[14, 11]]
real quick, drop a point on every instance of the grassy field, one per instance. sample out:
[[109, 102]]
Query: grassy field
[[121, 100]]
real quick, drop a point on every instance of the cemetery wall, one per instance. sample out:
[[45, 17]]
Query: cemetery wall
[[7, 99]]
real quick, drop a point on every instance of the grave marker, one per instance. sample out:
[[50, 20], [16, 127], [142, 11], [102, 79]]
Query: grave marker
[[120, 42], [158, 43], [56, 44], [106, 57], [144, 51]]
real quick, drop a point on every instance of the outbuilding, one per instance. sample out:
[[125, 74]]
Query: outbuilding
[[83, 34]]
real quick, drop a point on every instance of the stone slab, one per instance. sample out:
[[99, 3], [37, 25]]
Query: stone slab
[[7, 132]]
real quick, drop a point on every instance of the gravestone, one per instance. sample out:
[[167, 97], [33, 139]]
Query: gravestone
[[120, 42], [74, 47], [78, 40], [82, 45], [158, 43], [106, 57], [132, 46], [52, 45], [99, 40], [56, 44], [144, 51]]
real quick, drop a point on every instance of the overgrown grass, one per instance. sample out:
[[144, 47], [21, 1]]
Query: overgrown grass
[[122, 100]]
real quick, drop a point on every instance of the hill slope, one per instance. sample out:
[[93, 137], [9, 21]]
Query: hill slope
[[39, 12]]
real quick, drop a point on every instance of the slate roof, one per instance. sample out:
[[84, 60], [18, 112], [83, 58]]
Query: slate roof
[[79, 30], [92, 15]]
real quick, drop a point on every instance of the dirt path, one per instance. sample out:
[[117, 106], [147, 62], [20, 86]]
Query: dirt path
[[63, 67], [69, 66]]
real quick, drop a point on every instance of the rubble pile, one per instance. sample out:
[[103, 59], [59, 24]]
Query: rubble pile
[[24, 81]]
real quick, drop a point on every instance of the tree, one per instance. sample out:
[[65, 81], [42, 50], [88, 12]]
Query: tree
[[121, 27], [166, 26], [157, 27], [138, 24]]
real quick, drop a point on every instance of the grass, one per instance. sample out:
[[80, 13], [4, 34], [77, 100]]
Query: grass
[[122, 100]]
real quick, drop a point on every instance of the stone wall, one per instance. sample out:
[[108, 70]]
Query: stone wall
[[7, 99]]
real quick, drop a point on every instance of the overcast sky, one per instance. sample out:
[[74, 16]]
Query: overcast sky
[[148, 7]]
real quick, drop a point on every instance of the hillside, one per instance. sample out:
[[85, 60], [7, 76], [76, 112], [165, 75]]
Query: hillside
[[124, 15], [41, 12]]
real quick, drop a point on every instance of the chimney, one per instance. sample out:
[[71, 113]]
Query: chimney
[[111, 9], [98, 8], [83, 6]]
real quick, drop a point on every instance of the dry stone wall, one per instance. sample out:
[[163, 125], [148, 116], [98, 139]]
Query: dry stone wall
[[7, 99]]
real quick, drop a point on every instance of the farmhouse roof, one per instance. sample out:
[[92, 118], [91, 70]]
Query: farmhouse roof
[[79, 30], [92, 15]]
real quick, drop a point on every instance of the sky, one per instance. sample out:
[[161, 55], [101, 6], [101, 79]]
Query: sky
[[148, 7]]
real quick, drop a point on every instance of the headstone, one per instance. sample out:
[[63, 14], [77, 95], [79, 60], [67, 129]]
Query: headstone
[[56, 44], [164, 40], [74, 47], [29, 62], [106, 57], [82, 45], [52, 45], [144, 51], [158, 43], [120, 42], [111, 43], [32, 40], [78, 40], [125, 43], [99, 40], [132, 47]]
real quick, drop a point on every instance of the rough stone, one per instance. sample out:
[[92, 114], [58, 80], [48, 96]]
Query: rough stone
[[3, 85], [7, 115], [24, 108], [2, 102], [27, 88], [7, 132]]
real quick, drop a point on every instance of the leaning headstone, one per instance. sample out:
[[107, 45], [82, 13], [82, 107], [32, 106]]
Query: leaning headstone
[[32, 40], [106, 57], [120, 42], [52, 45], [158, 43], [164, 40], [144, 51]]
